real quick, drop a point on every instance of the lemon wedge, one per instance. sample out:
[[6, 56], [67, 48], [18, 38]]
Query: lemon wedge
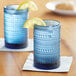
[[34, 21], [28, 4]]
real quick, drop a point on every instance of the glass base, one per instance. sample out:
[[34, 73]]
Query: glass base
[[46, 66], [15, 46]]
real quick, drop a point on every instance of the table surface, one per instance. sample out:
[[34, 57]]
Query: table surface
[[11, 63]]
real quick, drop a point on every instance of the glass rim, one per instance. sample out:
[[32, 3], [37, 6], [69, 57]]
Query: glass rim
[[5, 7], [58, 22], [52, 20], [48, 25]]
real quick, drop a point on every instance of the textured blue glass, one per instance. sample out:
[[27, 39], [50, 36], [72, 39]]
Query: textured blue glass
[[47, 45], [13, 26]]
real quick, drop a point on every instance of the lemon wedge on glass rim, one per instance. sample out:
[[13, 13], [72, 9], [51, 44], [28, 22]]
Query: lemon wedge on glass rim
[[28, 4], [34, 21]]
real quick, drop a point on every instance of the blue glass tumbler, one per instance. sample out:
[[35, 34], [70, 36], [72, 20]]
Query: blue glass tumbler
[[47, 45], [16, 36]]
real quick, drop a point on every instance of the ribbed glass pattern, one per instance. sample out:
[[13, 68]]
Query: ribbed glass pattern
[[47, 45], [13, 25]]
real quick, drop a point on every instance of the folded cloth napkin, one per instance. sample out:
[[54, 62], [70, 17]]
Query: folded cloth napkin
[[65, 63], [28, 48]]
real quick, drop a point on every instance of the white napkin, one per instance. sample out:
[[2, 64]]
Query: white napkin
[[65, 63], [29, 48]]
